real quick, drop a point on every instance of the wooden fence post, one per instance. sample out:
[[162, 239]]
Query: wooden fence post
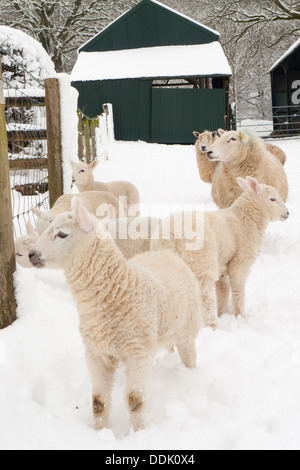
[[54, 139], [7, 251]]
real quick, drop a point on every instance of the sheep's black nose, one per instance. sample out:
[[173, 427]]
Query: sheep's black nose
[[210, 152], [203, 148]]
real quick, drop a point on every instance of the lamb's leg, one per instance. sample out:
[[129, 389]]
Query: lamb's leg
[[102, 377], [138, 373], [207, 291], [237, 282], [222, 291], [188, 354]]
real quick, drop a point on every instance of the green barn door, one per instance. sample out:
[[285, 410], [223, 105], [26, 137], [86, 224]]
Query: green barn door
[[176, 113]]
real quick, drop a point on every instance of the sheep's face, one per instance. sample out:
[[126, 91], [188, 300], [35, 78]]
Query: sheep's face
[[82, 172], [22, 248], [205, 140], [274, 203], [228, 148], [268, 196], [65, 234]]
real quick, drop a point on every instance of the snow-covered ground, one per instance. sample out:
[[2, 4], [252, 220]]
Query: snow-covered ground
[[244, 393]]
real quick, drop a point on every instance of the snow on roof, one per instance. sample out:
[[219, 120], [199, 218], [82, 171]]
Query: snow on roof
[[161, 5], [286, 54], [152, 62]]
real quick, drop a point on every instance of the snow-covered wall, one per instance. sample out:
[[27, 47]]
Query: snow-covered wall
[[69, 127]]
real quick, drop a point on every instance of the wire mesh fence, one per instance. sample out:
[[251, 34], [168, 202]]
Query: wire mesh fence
[[27, 146]]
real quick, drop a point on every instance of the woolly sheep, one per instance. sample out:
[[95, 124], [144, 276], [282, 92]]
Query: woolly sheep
[[231, 240], [127, 309], [83, 179], [243, 154], [23, 246], [206, 168], [102, 203]]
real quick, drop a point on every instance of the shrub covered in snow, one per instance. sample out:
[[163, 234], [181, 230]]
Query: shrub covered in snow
[[25, 62]]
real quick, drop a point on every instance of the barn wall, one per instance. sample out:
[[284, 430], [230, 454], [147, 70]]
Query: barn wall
[[131, 100], [149, 25], [176, 113]]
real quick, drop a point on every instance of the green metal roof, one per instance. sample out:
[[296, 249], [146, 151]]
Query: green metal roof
[[150, 24]]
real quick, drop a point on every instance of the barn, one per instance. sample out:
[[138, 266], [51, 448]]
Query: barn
[[165, 74], [285, 82]]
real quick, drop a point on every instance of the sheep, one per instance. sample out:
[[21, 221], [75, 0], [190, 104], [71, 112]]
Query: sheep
[[102, 203], [127, 309], [231, 240], [276, 152], [133, 235], [206, 168], [23, 245], [243, 154], [83, 179]]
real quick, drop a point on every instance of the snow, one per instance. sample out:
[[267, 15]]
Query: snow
[[285, 55], [69, 126], [244, 393], [163, 61], [34, 59]]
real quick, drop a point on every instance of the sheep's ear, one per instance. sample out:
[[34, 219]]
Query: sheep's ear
[[221, 132], [243, 184], [244, 136], [254, 185], [30, 229], [196, 134], [215, 134], [37, 212], [84, 218], [93, 165]]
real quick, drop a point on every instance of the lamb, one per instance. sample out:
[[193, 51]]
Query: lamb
[[243, 154], [205, 166], [231, 240], [102, 203], [83, 179], [23, 246], [127, 309]]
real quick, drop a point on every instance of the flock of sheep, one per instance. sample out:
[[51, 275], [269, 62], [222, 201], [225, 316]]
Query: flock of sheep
[[137, 294]]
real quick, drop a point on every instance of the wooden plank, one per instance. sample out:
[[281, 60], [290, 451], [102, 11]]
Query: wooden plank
[[28, 164], [24, 102], [7, 251], [26, 135], [54, 139]]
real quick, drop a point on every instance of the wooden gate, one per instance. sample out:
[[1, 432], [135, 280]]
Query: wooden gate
[[176, 113]]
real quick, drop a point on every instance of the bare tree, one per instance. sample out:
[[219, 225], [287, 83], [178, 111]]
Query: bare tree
[[61, 26]]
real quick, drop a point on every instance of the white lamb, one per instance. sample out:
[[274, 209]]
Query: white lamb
[[232, 239], [83, 178], [23, 246], [102, 203], [128, 309]]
